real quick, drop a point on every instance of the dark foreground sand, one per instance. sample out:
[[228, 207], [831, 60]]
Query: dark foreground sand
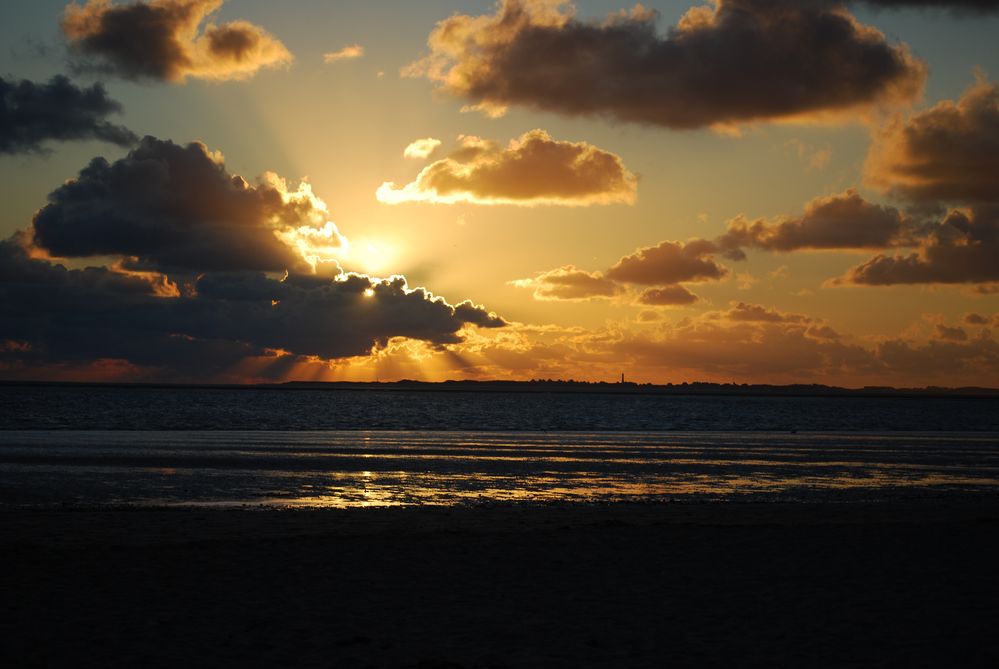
[[899, 584]]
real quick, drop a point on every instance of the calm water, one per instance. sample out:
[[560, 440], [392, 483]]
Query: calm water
[[342, 449], [23, 408], [348, 468]]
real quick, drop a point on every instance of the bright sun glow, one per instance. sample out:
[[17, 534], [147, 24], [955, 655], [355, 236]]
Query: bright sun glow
[[369, 292], [371, 256]]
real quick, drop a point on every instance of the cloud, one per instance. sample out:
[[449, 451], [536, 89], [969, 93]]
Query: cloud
[[60, 315], [667, 296], [352, 52], [173, 208], [739, 61], [976, 358], [978, 319], [948, 153], [948, 333], [838, 222], [533, 169], [32, 114], [962, 248], [163, 40], [956, 6], [662, 267], [569, 283], [669, 263], [755, 313], [422, 149]]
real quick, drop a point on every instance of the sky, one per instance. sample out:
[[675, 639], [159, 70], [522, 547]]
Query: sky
[[747, 191]]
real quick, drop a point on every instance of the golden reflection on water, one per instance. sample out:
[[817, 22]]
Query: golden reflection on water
[[444, 490], [344, 469]]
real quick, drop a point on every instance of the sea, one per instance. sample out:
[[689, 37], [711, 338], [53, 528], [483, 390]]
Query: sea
[[98, 447]]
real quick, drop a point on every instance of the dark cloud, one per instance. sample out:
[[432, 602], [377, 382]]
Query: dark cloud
[[56, 315], [948, 153], [175, 208], [32, 114], [740, 61], [160, 39], [844, 221], [532, 169], [963, 248], [956, 6], [669, 263], [948, 333], [978, 319], [667, 296]]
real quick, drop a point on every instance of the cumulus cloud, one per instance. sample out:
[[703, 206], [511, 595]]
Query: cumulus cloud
[[173, 208], [164, 40], [667, 296], [352, 52], [61, 315], [422, 149], [663, 268], [569, 283], [32, 114], [842, 221], [948, 153], [670, 263], [962, 248], [738, 61], [533, 169]]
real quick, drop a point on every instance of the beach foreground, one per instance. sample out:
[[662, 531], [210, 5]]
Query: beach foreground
[[909, 583]]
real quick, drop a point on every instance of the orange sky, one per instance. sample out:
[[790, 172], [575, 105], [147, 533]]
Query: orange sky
[[737, 191]]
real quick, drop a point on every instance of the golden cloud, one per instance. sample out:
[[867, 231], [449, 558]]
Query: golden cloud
[[163, 39], [352, 52], [533, 169]]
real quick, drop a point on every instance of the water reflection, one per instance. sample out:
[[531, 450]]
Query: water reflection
[[370, 468]]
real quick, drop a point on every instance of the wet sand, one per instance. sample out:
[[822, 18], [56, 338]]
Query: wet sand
[[910, 583]]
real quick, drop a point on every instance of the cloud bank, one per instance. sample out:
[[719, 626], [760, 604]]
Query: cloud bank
[[204, 277], [58, 315], [533, 169], [163, 40], [739, 61], [32, 114]]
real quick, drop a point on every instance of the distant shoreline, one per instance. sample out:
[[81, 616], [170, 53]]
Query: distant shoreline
[[560, 387]]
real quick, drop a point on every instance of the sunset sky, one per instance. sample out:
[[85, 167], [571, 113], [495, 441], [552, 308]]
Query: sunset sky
[[739, 191]]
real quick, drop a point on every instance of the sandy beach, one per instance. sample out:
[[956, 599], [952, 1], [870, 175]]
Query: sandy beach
[[723, 584]]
